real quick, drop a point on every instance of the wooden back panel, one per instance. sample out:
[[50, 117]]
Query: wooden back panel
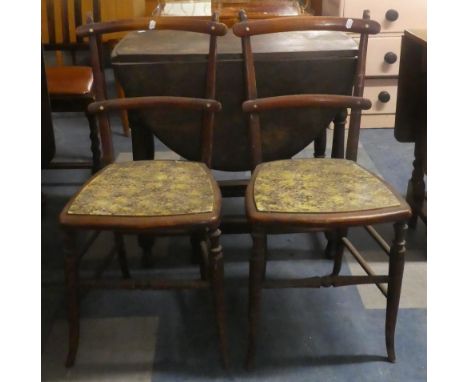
[[60, 19], [208, 105], [253, 106]]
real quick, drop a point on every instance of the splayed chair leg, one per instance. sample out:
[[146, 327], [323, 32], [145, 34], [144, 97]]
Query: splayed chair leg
[[396, 267], [217, 285], [71, 280], [257, 268]]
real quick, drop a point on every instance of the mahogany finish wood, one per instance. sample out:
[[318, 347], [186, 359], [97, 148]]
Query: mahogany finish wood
[[204, 227], [187, 24], [302, 23], [336, 224], [154, 102], [306, 100]]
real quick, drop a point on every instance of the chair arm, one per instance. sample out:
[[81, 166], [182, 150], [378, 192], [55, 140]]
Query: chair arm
[[154, 102], [306, 100]]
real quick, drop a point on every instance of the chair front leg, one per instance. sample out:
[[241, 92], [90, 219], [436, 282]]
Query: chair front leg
[[71, 281], [338, 251], [257, 270], [217, 286], [396, 267]]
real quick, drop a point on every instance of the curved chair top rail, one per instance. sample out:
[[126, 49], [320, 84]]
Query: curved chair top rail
[[154, 102], [306, 100], [160, 23], [304, 23]]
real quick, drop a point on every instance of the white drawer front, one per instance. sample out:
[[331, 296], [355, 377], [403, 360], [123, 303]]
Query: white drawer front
[[381, 52], [372, 90], [411, 13]]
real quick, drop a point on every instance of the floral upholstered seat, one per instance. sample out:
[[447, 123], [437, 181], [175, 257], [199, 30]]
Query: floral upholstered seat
[[319, 186], [145, 189]]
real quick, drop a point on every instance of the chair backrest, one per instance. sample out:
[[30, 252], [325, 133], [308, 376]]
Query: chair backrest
[[61, 30], [245, 29], [95, 31]]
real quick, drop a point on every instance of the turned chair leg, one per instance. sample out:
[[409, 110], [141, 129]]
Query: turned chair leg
[[71, 281], [257, 268], [217, 285], [95, 144], [396, 267], [339, 250], [122, 255]]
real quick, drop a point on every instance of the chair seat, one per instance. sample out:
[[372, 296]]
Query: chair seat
[[146, 194], [320, 192], [69, 80]]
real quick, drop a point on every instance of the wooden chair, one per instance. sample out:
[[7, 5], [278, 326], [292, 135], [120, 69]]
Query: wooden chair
[[70, 86], [148, 196], [318, 194]]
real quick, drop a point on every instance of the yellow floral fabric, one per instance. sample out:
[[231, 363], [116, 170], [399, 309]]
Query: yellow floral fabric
[[319, 186], [147, 188]]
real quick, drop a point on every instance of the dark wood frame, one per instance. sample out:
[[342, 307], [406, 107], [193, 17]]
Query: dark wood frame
[[203, 227], [335, 225]]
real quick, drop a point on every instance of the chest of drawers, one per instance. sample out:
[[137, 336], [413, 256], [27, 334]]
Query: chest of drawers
[[383, 56]]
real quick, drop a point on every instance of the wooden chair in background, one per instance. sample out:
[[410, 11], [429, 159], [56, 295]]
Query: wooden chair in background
[[71, 87], [307, 195], [147, 196]]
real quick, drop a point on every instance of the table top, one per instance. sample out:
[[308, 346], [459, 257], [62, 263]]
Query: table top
[[174, 64], [168, 45], [417, 35]]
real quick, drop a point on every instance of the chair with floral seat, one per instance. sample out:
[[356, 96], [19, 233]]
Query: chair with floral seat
[[150, 197], [329, 195]]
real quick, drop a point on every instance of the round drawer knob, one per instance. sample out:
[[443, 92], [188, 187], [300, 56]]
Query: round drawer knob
[[384, 96], [390, 58], [392, 15]]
